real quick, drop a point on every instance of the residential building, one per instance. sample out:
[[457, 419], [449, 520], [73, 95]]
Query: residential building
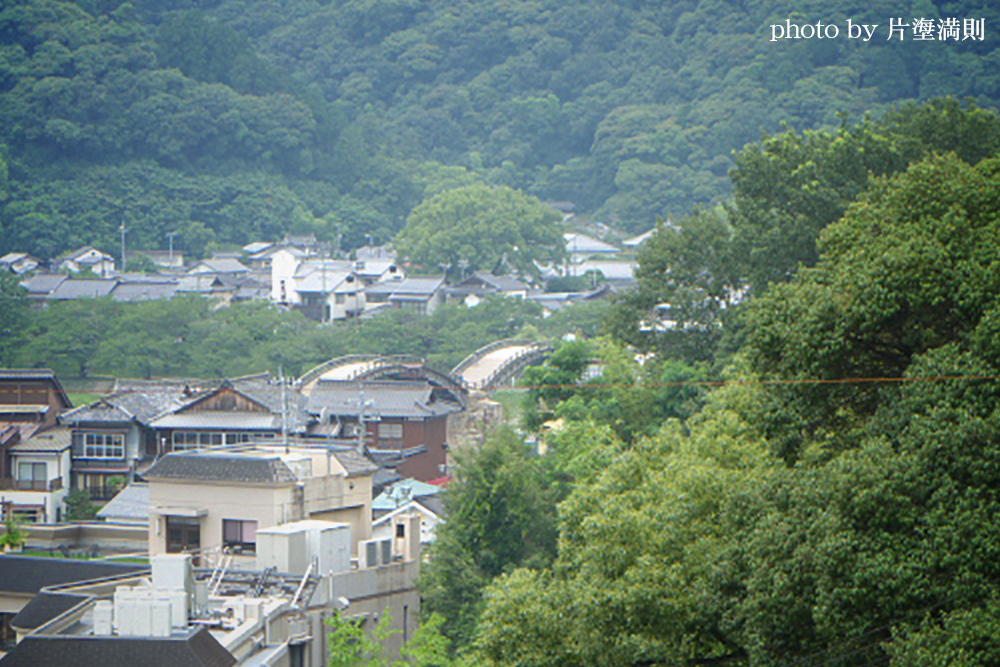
[[219, 266], [85, 258], [175, 615], [220, 498], [41, 470], [404, 423], [83, 288], [19, 263], [423, 294], [473, 289]]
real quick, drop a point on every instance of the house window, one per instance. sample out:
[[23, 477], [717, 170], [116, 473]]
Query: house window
[[32, 472], [185, 440], [104, 445], [341, 299], [390, 431], [239, 534]]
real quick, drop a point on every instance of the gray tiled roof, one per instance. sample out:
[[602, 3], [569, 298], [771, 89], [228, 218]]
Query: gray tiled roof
[[144, 291], [83, 289], [221, 265], [56, 439], [222, 468], [417, 287], [130, 504], [219, 419], [197, 649], [356, 465], [383, 399], [44, 283]]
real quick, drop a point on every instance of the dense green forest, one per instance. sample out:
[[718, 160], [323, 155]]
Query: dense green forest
[[808, 477], [229, 121]]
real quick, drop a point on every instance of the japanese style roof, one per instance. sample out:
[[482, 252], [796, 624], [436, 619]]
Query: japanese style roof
[[610, 269], [57, 439], [44, 283], [499, 283], [220, 265], [323, 281], [196, 649], [421, 288], [144, 291], [219, 420], [373, 267], [256, 247], [218, 467], [85, 288], [204, 283], [382, 399], [582, 244], [129, 504], [356, 465], [21, 375], [44, 607], [26, 575]]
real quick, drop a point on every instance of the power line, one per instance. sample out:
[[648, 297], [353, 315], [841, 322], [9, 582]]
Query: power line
[[723, 383]]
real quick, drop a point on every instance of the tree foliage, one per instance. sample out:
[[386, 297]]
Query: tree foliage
[[481, 228]]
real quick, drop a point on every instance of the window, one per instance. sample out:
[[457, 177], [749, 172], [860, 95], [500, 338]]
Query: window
[[104, 445], [390, 431], [239, 534], [400, 530], [341, 299], [32, 472], [185, 440]]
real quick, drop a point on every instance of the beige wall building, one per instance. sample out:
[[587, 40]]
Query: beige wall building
[[205, 501]]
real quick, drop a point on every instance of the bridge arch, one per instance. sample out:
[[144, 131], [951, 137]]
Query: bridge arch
[[492, 365]]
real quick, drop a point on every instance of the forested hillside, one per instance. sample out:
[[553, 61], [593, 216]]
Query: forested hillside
[[237, 120]]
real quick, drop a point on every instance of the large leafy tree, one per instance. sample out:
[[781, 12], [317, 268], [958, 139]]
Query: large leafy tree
[[880, 542], [484, 228], [501, 515]]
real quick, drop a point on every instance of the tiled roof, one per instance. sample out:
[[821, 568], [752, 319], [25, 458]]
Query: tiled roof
[[222, 468], [144, 291], [383, 399], [323, 281], [44, 607], [356, 465], [221, 265], [23, 574], [219, 419], [583, 244], [417, 287], [88, 288], [130, 504], [198, 649], [102, 412], [44, 283], [56, 439]]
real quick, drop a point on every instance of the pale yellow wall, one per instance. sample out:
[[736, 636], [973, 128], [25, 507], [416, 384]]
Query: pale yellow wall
[[267, 505]]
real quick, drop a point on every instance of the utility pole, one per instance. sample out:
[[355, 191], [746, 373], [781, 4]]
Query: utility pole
[[170, 240], [362, 404], [123, 230]]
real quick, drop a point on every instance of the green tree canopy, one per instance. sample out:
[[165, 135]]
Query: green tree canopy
[[483, 228]]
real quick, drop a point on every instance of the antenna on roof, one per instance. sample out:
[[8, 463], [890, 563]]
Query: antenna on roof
[[284, 409]]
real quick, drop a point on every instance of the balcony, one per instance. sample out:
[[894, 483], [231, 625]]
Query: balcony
[[9, 484]]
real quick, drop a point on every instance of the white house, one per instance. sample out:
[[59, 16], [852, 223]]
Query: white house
[[87, 258]]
